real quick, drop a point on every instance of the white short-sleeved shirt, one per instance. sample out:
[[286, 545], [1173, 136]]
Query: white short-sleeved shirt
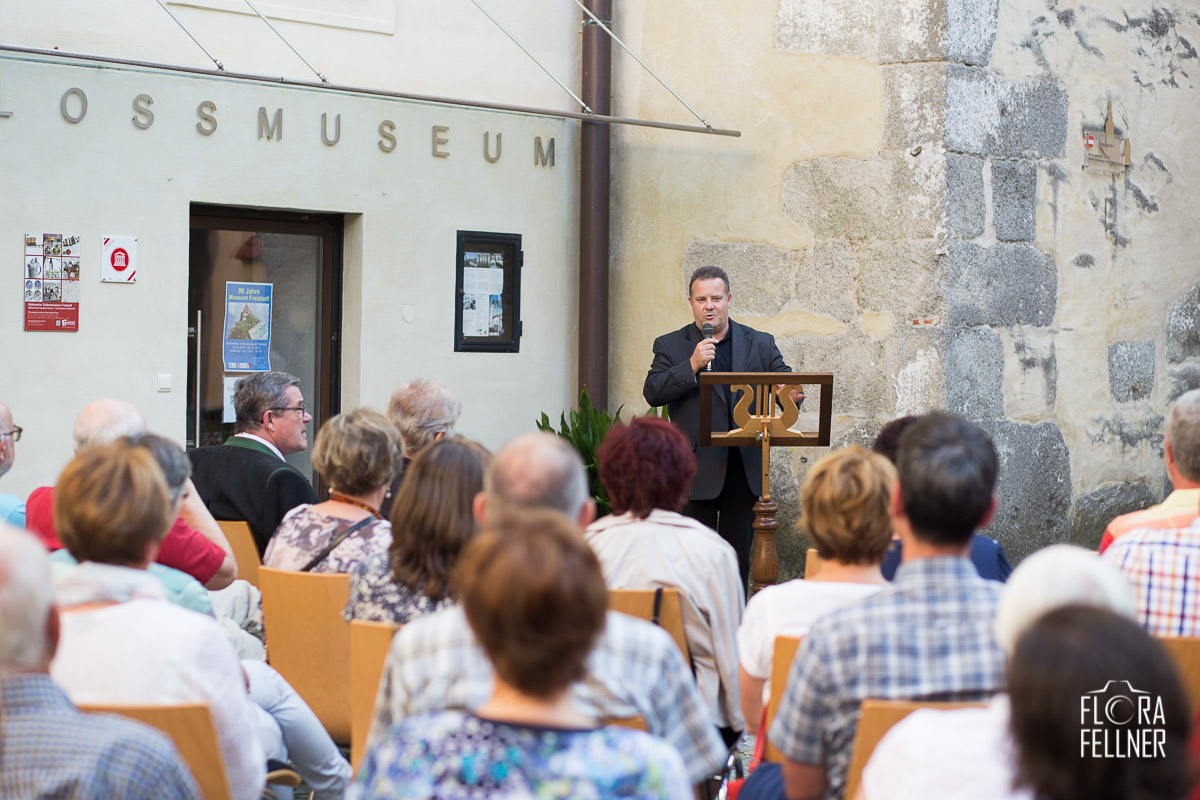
[[788, 609]]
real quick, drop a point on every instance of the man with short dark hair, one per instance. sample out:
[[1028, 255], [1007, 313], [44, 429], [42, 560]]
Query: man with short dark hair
[[928, 636], [728, 479], [1158, 548], [635, 669], [246, 478], [47, 747]]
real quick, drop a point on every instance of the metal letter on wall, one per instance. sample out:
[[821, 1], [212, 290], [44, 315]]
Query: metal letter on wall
[[337, 130], [274, 128], [387, 130], [141, 105], [439, 140], [491, 159], [82, 105], [542, 157], [208, 123]]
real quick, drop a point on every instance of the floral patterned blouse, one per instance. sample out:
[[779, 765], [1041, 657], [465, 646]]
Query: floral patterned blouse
[[375, 597], [304, 533], [452, 755]]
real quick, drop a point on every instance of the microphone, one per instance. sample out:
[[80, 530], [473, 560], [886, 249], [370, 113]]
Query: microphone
[[707, 330]]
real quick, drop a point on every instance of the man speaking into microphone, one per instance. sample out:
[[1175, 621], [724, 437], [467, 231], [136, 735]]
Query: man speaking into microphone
[[728, 479]]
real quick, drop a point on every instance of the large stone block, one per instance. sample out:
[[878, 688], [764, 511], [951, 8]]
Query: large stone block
[[1014, 200], [896, 196], [912, 359], [1034, 488], [970, 30], [991, 116], [1183, 327], [1183, 379], [914, 105], [1094, 510], [860, 386], [1006, 284], [825, 280], [902, 278], [1130, 370], [974, 373], [966, 207], [760, 275]]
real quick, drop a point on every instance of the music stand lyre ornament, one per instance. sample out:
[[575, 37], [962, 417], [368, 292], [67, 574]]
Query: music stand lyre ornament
[[764, 415]]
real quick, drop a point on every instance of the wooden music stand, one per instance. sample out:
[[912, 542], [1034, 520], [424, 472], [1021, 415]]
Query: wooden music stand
[[765, 418]]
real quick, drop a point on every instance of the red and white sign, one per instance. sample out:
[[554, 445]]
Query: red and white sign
[[118, 263]]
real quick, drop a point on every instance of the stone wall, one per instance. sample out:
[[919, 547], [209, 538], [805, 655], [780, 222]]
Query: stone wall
[[906, 209]]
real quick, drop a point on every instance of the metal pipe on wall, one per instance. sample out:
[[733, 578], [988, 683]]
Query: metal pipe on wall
[[595, 166]]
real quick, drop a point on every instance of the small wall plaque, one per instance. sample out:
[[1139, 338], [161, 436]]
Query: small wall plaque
[[1103, 150]]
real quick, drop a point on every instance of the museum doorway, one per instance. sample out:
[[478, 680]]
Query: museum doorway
[[264, 292]]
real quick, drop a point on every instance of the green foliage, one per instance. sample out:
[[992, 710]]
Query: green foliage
[[658, 411], [585, 428]]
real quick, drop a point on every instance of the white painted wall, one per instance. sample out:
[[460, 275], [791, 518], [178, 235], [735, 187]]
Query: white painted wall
[[103, 176]]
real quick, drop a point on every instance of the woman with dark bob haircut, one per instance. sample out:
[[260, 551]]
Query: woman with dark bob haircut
[[533, 595], [431, 522], [646, 543], [1084, 683]]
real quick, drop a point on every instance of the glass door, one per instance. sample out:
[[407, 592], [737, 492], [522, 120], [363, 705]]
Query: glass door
[[264, 292]]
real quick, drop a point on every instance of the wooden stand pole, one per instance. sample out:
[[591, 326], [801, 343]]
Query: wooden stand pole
[[764, 565]]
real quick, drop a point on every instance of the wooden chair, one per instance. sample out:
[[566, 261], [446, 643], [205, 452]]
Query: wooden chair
[[190, 727], [245, 551], [812, 563], [369, 644], [640, 603], [308, 642], [781, 665], [875, 719], [1185, 652]]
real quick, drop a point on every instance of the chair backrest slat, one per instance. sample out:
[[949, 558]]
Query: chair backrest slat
[[640, 603], [781, 665], [1185, 652], [245, 551], [369, 645]]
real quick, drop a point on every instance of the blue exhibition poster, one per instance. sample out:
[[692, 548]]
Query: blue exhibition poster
[[246, 345]]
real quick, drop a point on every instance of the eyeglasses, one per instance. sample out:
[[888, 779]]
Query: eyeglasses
[[299, 408], [16, 433]]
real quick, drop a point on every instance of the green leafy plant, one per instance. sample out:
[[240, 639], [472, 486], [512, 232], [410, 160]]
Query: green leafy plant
[[585, 428]]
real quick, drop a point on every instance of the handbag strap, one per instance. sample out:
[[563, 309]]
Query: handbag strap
[[341, 537], [657, 615]]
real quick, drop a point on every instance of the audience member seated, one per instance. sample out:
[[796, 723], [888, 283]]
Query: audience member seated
[[928, 636], [356, 454], [48, 749], [423, 411], [634, 669], [246, 478], [986, 553], [195, 544], [122, 643], [968, 753], [536, 601], [431, 522], [845, 501], [1181, 452], [12, 508], [646, 543], [1079, 652]]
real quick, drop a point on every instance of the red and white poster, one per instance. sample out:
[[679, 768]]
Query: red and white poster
[[50, 281], [118, 260]]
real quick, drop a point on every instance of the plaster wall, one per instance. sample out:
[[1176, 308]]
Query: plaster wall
[[104, 176]]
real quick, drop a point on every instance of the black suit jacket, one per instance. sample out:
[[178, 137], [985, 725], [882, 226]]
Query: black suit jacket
[[244, 480], [672, 383]]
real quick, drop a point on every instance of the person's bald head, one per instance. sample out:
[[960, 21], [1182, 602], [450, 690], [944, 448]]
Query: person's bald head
[[539, 470], [7, 451], [105, 421]]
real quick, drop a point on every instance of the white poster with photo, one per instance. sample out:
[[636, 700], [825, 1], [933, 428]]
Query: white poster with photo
[[483, 292]]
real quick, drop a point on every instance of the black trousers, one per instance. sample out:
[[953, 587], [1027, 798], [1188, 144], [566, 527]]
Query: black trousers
[[731, 513]]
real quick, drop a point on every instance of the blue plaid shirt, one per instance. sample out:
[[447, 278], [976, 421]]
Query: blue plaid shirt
[[48, 749], [926, 637]]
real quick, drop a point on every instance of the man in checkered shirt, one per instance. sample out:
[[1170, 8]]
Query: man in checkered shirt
[[1158, 548], [928, 636], [635, 668]]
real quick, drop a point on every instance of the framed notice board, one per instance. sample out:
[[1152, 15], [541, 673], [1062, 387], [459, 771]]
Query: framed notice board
[[487, 292]]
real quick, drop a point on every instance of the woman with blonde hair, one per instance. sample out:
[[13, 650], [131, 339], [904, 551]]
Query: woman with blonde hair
[[431, 522], [845, 501], [356, 454]]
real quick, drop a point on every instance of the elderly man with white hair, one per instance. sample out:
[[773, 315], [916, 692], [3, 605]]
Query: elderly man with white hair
[[12, 510], [423, 411], [47, 747], [967, 753], [195, 544]]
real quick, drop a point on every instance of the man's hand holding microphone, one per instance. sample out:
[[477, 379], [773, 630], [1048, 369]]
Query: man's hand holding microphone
[[706, 350]]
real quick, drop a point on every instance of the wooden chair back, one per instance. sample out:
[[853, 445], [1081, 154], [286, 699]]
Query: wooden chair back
[[640, 603], [812, 563], [369, 644], [190, 727], [245, 551], [875, 719], [637, 723], [781, 665], [1185, 652], [308, 642]]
